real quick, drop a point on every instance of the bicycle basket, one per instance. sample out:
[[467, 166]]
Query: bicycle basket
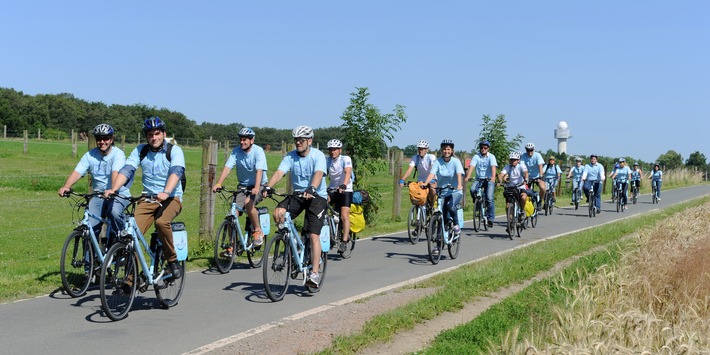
[[417, 195]]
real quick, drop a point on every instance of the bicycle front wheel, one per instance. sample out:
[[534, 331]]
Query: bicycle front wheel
[[477, 216], [225, 246], [255, 254], [277, 268], [167, 289], [118, 281], [455, 245], [414, 224], [436, 238], [636, 193], [321, 271], [77, 264]]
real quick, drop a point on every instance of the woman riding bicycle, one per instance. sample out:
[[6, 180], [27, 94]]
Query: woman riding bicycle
[[448, 170], [552, 176], [657, 179], [636, 176], [575, 174], [622, 176], [515, 175]]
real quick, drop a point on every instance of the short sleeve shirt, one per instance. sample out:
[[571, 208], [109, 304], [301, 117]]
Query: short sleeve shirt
[[551, 172], [423, 165], [247, 164], [303, 168], [516, 174], [622, 174], [532, 163], [593, 172], [447, 172], [336, 171], [101, 167], [484, 165], [156, 166]]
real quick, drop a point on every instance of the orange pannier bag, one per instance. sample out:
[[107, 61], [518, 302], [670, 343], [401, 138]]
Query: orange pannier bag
[[417, 195]]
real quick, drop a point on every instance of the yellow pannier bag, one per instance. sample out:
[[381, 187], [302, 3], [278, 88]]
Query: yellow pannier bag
[[357, 219], [529, 208], [417, 195]]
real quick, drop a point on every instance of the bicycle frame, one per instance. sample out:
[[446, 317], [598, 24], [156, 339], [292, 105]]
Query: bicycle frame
[[139, 244], [233, 212], [449, 237]]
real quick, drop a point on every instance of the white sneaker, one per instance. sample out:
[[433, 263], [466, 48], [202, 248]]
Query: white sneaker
[[457, 229], [313, 280]]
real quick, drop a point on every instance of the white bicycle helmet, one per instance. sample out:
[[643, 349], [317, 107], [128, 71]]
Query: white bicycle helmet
[[423, 144], [302, 132], [334, 143], [530, 146], [103, 130], [514, 155], [246, 132], [578, 159]]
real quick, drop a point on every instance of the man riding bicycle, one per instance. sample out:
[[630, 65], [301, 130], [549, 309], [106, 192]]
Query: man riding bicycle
[[592, 177], [340, 170], [485, 165], [103, 163], [622, 175], [161, 177], [250, 161], [533, 162], [308, 168]]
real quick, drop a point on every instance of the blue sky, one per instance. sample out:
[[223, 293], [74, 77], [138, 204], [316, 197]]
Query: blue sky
[[630, 77]]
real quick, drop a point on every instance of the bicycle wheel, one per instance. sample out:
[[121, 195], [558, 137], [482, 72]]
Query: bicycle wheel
[[510, 216], [618, 204], [118, 281], [477, 216], [454, 246], [636, 193], [225, 246], [435, 240], [77, 263], [576, 199], [168, 290], [533, 219], [277, 268], [321, 271], [255, 254], [414, 224]]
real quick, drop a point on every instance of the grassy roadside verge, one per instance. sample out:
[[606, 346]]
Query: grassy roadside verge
[[477, 279]]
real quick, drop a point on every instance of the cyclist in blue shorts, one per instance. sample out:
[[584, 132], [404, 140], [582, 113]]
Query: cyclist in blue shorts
[[448, 170], [103, 163], [533, 162], [308, 168], [485, 165]]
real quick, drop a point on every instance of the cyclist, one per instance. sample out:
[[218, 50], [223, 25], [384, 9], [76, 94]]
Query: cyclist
[[422, 162], [161, 177], [103, 163], [250, 161], [575, 173], [533, 162], [308, 167], [621, 176], [448, 170], [485, 165], [636, 176], [657, 178], [552, 177], [592, 177], [613, 181], [515, 174], [340, 170]]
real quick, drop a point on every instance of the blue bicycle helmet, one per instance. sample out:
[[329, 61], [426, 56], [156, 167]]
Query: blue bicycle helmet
[[103, 129], [486, 143], [153, 123], [246, 132]]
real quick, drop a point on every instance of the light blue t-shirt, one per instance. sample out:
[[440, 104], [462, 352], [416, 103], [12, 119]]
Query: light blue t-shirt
[[447, 172], [635, 174], [551, 172], [484, 165], [577, 172], [593, 172], [155, 167], [247, 164], [303, 168], [101, 167], [657, 175], [532, 163], [622, 174]]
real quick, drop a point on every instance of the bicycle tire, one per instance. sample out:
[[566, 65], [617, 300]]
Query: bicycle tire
[[477, 218], [454, 246], [436, 233], [77, 263], [618, 204], [321, 270], [255, 254], [277, 268], [168, 290], [414, 224], [533, 219], [576, 198], [118, 281], [635, 195], [225, 238], [510, 216]]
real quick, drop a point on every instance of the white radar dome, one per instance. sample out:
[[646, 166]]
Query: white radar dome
[[562, 125]]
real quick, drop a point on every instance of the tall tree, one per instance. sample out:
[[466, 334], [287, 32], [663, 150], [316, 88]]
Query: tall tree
[[670, 160], [696, 160], [496, 132], [365, 131]]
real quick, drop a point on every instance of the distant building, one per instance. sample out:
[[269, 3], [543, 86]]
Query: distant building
[[562, 134]]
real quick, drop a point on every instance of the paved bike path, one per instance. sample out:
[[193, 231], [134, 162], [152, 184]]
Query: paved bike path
[[215, 307]]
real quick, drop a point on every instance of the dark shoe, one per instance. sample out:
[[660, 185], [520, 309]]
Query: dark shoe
[[599, 210], [435, 251], [414, 233], [343, 247], [175, 269], [490, 223]]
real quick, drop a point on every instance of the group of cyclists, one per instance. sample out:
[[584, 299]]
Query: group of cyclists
[[163, 168], [522, 172]]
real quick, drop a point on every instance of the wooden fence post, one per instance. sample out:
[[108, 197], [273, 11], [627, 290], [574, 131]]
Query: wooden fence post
[[396, 190], [24, 147], [207, 198]]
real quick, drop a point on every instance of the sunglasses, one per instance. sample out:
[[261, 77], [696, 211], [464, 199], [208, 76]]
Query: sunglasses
[[300, 140], [103, 139]]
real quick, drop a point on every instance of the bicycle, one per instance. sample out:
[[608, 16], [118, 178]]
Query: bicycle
[[120, 274], [577, 194], [230, 241], [614, 193], [442, 232], [515, 218], [332, 220], [654, 190], [288, 255], [620, 205], [549, 198], [634, 191], [480, 220], [592, 199], [82, 253], [418, 220]]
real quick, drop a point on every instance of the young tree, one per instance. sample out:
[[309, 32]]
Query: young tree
[[496, 132], [696, 160], [366, 133], [670, 160]]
